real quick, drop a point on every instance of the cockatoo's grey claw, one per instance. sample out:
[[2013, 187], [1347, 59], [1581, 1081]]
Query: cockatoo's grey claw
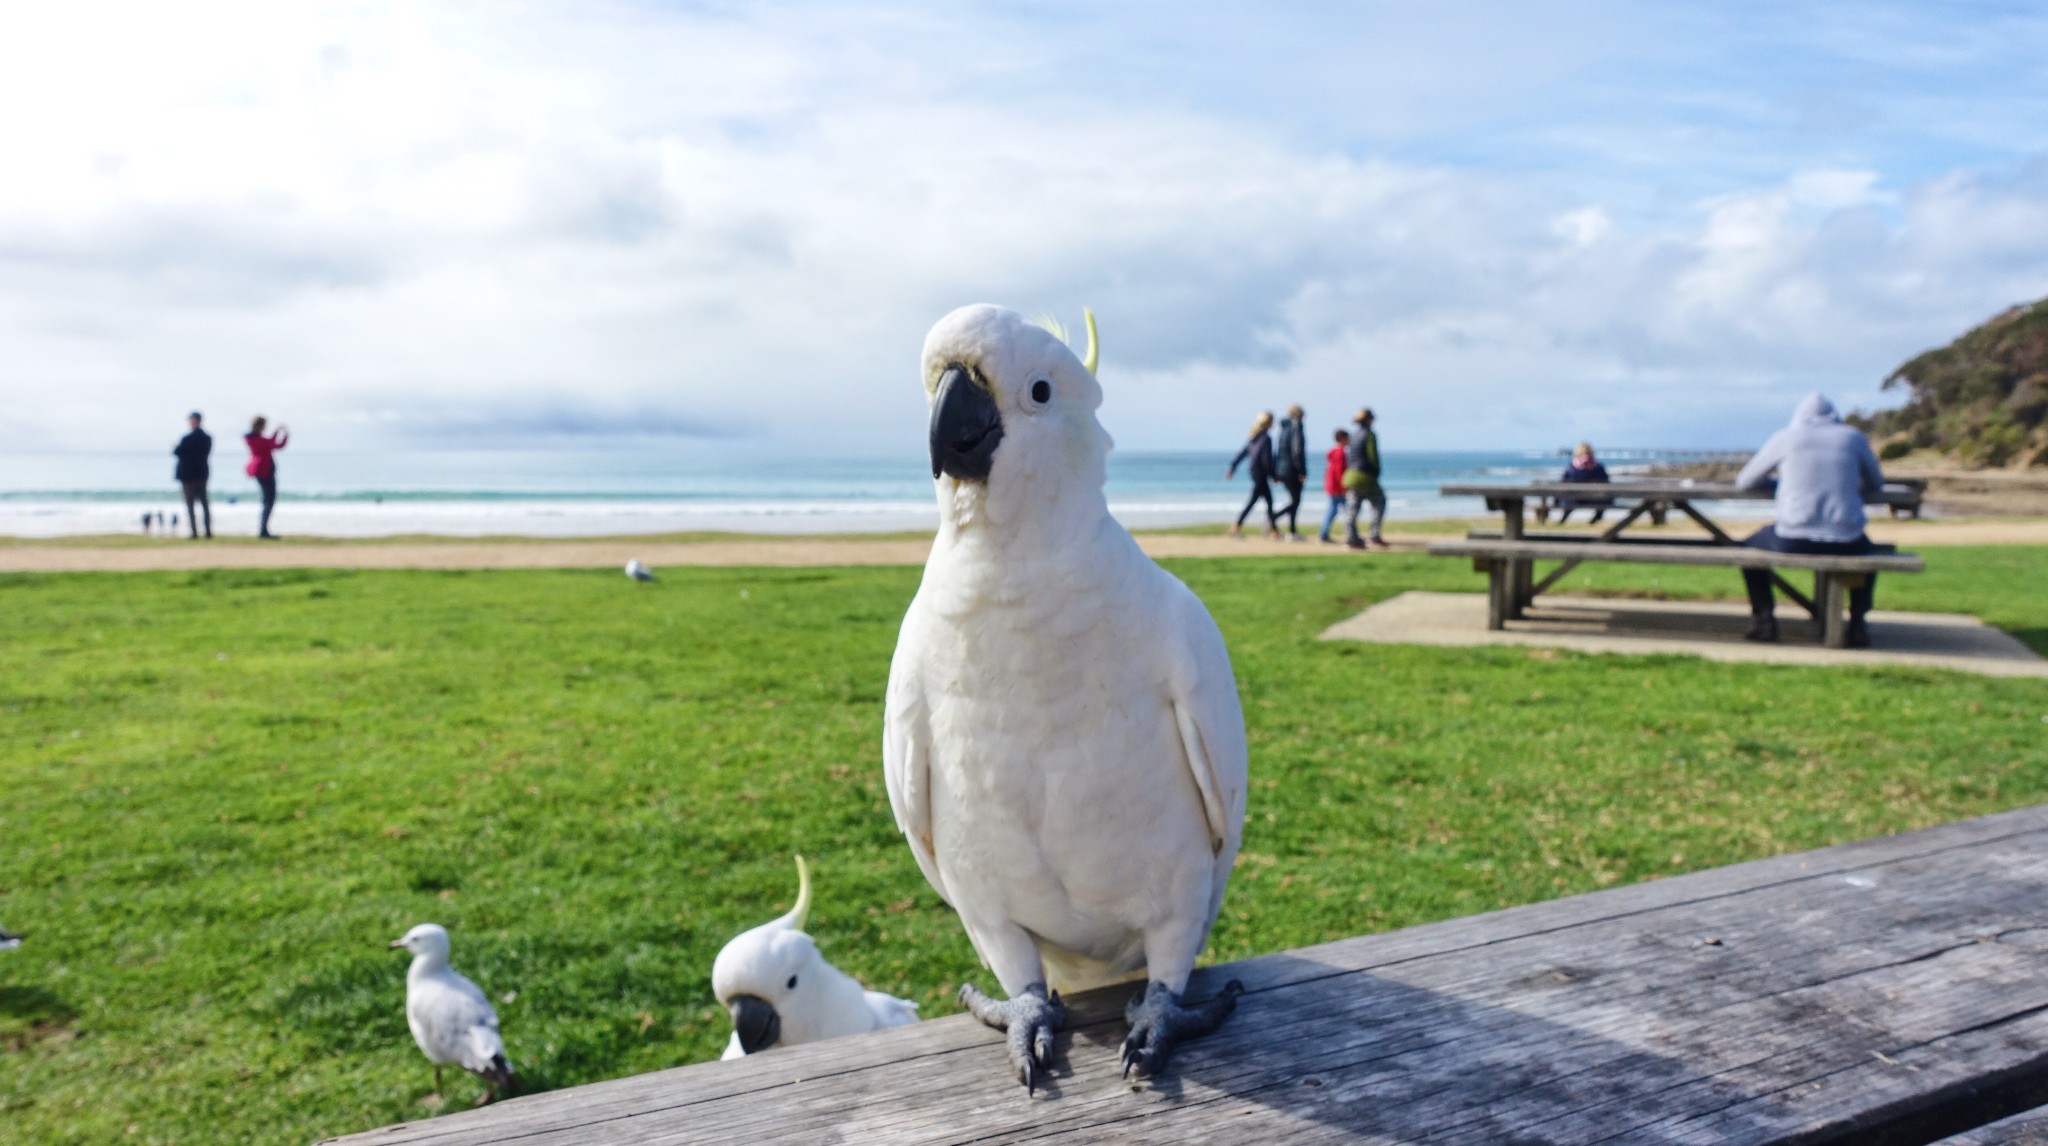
[[1159, 1022], [1031, 1019]]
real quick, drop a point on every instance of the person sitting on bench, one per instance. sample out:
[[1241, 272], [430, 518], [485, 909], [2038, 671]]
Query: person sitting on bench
[[1825, 469], [1584, 467]]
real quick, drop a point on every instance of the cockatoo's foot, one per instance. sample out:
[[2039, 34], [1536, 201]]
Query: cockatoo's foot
[[1031, 1019], [1159, 1022]]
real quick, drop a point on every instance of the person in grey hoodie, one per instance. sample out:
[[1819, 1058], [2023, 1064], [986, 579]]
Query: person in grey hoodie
[[1825, 470], [1290, 467]]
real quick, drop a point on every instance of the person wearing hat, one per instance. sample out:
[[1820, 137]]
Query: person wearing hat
[[193, 453], [1362, 482]]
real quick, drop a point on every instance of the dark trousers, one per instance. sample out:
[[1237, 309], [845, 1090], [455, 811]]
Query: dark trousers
[[1260, 492], [1758, 581], [1293, 488], [269, 484], [195, 494]]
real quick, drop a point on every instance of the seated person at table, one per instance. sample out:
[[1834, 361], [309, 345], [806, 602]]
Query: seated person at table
[[1584, 467], [1825, 470]]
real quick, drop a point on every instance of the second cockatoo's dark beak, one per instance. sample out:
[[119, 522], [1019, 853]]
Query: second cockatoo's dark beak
[[755, 1021], [966, 425]]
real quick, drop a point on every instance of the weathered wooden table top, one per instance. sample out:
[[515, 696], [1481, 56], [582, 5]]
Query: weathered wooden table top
[[1673, 489], [1890, 992]]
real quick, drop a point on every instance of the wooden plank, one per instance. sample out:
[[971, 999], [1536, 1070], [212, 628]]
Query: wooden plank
[[1834, 996], [1657, 489], [1715, 555], [2029, 1128]]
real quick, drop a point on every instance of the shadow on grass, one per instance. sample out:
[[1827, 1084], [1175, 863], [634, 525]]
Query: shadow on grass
[[2035, 639], [32, 1014]]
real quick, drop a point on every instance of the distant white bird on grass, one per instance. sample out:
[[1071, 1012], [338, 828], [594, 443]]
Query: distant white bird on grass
[[8, 940], [451, 1020], [638, 571], [782, 993]]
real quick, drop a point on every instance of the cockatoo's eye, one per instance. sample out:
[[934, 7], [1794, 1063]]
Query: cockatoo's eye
[[1041, 391], [792, 982]]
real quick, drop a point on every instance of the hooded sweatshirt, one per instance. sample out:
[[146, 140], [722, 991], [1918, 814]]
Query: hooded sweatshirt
[[1825, 469]]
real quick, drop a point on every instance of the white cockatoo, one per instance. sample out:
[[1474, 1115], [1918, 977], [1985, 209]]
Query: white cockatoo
[[781, 992], [1063, 743], [638, 571], [451, 1020]]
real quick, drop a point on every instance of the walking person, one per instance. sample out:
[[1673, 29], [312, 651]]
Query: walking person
[[1362, 483], [1333, 483], [1825, 470], [1290, 467], [1258, 452], [263, 466], [194, 452]]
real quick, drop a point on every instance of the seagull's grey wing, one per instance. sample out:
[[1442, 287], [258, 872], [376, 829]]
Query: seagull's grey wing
[[460, 1023]]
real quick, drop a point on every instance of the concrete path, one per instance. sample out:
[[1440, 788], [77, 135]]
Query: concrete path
[[1711, 630]]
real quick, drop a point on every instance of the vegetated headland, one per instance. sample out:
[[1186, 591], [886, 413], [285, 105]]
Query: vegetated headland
[[1975, 421]]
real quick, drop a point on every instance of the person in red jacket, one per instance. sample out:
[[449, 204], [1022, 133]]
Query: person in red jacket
[[263, 465], [1333, 483]]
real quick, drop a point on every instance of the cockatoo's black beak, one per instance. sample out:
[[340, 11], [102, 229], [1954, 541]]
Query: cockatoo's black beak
[[965, 426], [756, 1022]]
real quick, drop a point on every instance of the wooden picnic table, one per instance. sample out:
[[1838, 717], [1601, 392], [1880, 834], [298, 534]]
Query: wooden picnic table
[[1511, 594], [1888, 992]]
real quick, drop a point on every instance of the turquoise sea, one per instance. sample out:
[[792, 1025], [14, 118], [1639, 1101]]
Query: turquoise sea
[[581, 492]]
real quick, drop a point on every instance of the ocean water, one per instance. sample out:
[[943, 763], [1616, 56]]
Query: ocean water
[[567, 493]]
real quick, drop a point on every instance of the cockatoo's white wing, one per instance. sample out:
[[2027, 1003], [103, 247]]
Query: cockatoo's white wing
[[1205, 708], [906, 749], [890, 1011]]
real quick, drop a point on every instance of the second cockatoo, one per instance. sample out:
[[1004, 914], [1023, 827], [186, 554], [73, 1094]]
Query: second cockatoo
[[781, 992], [1062, 740]]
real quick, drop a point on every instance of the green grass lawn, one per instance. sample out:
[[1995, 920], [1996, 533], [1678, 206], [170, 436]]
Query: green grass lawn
[[222, 794]]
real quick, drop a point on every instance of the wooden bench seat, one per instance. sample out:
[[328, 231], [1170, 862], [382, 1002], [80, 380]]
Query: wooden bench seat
[[1509, 566]]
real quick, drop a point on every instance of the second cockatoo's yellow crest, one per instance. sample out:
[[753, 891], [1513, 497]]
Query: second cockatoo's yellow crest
[[802, 911], [1059, 331]]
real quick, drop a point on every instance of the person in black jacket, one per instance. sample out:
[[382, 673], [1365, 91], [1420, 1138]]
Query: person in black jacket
[[193, 453], [1258, 450], [1290, 467], [1584, 468]]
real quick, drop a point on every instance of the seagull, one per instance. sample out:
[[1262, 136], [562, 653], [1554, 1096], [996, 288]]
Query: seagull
[[8, 940], [639, 571], [451, 1020]]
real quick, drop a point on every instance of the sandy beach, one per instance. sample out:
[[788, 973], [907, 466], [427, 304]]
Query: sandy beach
[[131, 554]]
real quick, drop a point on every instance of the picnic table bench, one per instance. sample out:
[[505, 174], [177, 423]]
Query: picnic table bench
[[1890, 992], [1508, 555]]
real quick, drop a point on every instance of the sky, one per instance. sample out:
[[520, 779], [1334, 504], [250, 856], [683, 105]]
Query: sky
[[728, 226]]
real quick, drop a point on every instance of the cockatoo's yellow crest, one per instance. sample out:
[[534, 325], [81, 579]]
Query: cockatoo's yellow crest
[[1059, 331], [802, 911]]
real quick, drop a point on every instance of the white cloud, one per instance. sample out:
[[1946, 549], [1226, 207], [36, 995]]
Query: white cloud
[[381, 219]]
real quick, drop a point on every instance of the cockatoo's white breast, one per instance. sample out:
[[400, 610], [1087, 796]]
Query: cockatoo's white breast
[[1055, 750]]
